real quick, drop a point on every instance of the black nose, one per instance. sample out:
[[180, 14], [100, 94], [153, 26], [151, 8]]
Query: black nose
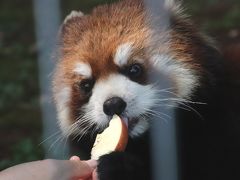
[[114, 105]]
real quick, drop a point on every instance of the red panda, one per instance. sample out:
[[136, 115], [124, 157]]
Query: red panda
[[115, 61]]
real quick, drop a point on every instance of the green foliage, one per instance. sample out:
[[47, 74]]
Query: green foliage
[[83, 5], [24, 151], [215, 15], [230, 20], [19, 105]]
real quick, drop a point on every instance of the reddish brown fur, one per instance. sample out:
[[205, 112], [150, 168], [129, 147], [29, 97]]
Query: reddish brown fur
[[106, 29], [94, 39]]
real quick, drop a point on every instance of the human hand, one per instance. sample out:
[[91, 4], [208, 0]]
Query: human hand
[[94, 175], [50, 169]]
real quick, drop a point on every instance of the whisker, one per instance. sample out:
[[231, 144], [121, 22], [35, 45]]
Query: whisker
[[158, 112], [58, 139], [192, 109], [179, 100], [174, 106], [155, 114], [84, 133], [65, 145], [48, 138], [93, 131]]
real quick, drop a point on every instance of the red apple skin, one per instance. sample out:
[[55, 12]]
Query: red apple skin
[[120, 145]]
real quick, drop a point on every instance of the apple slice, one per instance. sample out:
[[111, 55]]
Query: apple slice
[[113, 138]]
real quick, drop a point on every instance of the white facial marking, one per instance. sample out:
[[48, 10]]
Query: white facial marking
[[140, 128], [62, 99], [72, 15], [142, 100], [83, 69], [139, 99], [123, 52], [184, 77]]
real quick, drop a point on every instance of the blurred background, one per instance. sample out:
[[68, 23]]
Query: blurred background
[[21, 127]]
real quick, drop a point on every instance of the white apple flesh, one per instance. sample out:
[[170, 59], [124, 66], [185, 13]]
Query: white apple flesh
[[113, 138]]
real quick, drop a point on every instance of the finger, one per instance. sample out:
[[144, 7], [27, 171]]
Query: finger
[[90, 178], [75, 158], [95, 175], [92, 163], [81, 169]]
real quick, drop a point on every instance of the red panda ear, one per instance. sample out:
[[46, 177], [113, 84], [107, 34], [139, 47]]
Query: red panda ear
[[72, 28], [174, 6], [73, 14], [169, 3]]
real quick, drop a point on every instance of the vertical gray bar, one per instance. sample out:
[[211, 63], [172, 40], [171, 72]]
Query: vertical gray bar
[[47, 21], [163, 132]]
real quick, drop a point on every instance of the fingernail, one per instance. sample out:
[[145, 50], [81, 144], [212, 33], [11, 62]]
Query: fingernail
[[75, 158], [92, 163]]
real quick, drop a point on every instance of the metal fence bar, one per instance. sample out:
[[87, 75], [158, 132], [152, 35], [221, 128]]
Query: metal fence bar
[[164, 148], [163, 132], [47, 21]]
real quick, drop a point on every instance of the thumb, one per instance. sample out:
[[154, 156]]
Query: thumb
[[92, 163], [83, 169], [95, 175]]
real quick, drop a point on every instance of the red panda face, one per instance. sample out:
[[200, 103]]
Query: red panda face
[[110, 63]]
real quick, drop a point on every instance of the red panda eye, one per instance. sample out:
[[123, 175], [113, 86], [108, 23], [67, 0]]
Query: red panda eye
[[135, 71], [86, 85]]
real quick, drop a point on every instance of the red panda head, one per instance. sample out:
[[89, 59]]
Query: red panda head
[[113, 61]]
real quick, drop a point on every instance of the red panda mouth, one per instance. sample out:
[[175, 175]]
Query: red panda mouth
[[130, 122]]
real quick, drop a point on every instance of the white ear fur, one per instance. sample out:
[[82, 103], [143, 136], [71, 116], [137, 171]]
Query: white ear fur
[[72, 15], [169, 3], [174, 6]]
